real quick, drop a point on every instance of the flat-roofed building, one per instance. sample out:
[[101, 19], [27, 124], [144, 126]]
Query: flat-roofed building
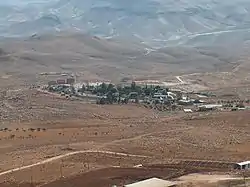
[[209, 107], [51, 83], [242, 165], [61, 81], [186, 110], [70, 80], [152, 182]]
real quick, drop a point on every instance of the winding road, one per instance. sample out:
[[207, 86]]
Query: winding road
[[94, 151], [179, 79], [67, 155]]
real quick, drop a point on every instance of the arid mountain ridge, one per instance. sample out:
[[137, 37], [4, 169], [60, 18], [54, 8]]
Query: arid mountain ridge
[[154, 22], [113, 39]]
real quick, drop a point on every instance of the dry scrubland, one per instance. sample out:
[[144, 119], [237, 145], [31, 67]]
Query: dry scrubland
[[96, 58], [53, 126], [36, 126]]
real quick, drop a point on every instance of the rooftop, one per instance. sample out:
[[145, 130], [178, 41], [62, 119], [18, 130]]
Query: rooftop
[[210, 106], [243, 163], [153, 182], [187, 110]]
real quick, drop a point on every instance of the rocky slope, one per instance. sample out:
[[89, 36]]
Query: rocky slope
[[155, 22]]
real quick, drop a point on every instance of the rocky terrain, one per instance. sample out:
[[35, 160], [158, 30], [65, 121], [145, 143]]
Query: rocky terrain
[[93, 58], [161, 39], [158, 23], [49, 137], [50, 140]]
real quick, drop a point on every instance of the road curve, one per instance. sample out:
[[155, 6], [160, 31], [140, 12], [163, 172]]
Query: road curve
[[66, 155], [179, 79]]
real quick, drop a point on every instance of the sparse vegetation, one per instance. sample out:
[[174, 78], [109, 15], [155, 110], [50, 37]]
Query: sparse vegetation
[[178, 109], [2, 52], [12, 136]]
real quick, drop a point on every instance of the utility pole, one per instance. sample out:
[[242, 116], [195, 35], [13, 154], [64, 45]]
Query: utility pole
[[61, 169], [31, 179], [244, 178]]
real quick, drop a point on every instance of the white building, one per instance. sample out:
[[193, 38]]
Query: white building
[[243, 165], [186, 110], [209, 107], [153, 182]]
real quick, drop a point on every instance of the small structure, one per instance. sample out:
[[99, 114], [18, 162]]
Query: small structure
[[153, 182], [201, 96], [52, 83], [242, 108], [60, 81], [70, 81], [209, 107], [133, 95], [197, 101], [138, 166], [158, 96], [242, 165], [185, 102], [187, 110]]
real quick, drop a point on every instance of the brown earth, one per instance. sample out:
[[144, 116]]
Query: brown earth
[[41, 126], [92, 58], [36, 126]]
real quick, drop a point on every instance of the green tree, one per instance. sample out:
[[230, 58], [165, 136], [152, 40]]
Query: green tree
[[102, 88], [110, 87], [133, 86], [157, 88], [83, 89], [138, 89], [73, 90], [89, 88], [119, 99], [120, 90], [110, 98], [126, 90], [147, 91]]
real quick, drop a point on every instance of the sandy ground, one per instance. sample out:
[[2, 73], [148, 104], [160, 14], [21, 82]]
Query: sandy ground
[[46, 138], [197, 177]]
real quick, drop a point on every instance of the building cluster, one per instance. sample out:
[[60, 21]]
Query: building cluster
[[157, 97], [69, 81]]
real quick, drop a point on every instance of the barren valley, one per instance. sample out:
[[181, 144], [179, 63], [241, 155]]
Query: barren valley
[[48, 140], [73, 138]]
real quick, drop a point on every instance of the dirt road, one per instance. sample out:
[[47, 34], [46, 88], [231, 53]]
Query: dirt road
[[67, 155], [179, 79], [148, 134], [93, 151]]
